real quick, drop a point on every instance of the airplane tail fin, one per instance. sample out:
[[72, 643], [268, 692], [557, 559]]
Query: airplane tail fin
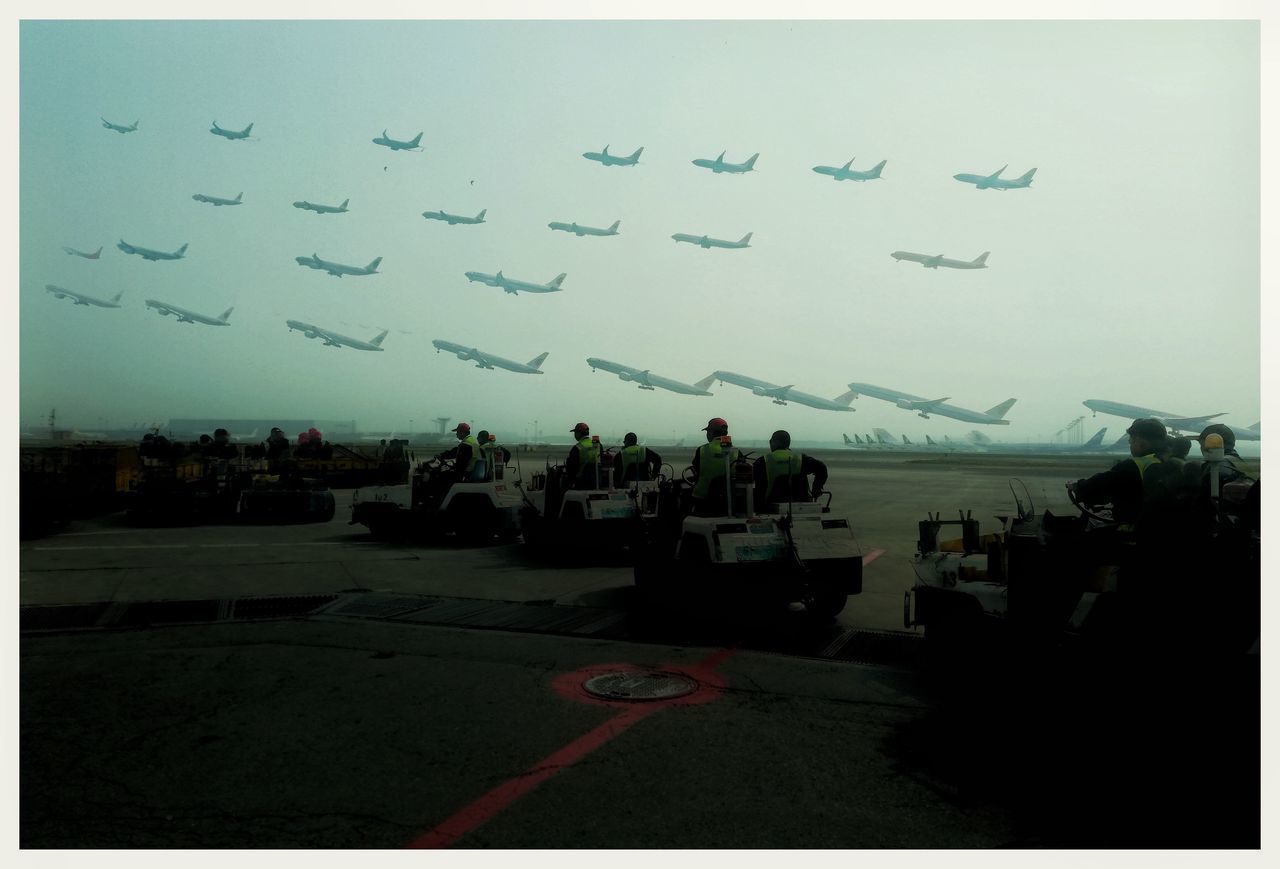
[[238, 195], [977, 437], [846, 440], [117, 296], [875, 170], [858, 440], [745, 239], [481, 215], [226, 314], [982, 260], [636, 155], [846, 399], [847, 165], [1257, 426], [906, 441], [415, 140], [97, 253], [706, 381], [182, 250], [1027, 177], [1001, 409], [1096, 440], [377, 341], [373, 266], [555, 282], [605, 150], [614, 228], [930, 441], [248, 128], [344, 203], [883, 436], [751, 161], [536, 362]]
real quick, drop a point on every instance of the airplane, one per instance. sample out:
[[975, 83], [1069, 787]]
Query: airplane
[[333, 339], [718, 165], [926, 406], [217, 200], [780, 394], [706, 243], [185, 316], [644, 378], [580, 231], [117, 127], [932, 262], [322, 209], [844, 173], [994, 181], [1176, 422], [1092, 445], [607, 159], [230, 134], [71, 250], [396, 145], [82, 299], [148, 254], [511, 285], [454, 219], [337, 269], [488, 360]]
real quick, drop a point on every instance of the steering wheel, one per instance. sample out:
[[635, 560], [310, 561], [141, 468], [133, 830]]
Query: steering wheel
[[1087, 511]]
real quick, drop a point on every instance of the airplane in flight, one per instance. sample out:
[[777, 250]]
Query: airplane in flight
[[217, 200], [488, 360], [718, 165], [511, 285], [337, 269], [148, 254], [932, 262], [994, 181], [322, 209], [1176, 422], [706, 243], [607, 159], [643, 378], [333, 339], [580, 231], [185, 316], [71, 250], [844, 173], [82, 299], [396, 144], [779, 394], [939, 406], [119, 128], [230, 134], [454, 219]]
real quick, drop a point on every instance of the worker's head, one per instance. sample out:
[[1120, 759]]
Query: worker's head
[[221, 435], [1227, 435], [205, 439], [1179, 447], [780, 440], [1146, 436], [580, 431], [462, 429], [716, 428], [482, 437], [275, 430], [629, 439]]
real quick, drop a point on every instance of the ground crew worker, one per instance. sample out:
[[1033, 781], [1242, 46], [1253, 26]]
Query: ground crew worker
[[277, 444], [709, 497], [1233, 467], [1176, 452], [782, 474], [634, 462], [582, 466], [1122, 485], [466, 455], [490, 452]]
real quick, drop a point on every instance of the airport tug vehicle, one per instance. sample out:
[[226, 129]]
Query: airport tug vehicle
[[602, 520], [442, 506], [785, 552]]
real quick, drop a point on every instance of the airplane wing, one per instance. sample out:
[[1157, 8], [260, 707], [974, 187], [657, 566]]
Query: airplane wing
[[1190, 423], [925, 405]]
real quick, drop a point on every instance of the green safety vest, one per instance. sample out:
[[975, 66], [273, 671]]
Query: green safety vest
[[1143, 462], [633, 455], [710, 467], [588, 452], [780, 463], [476, 457]]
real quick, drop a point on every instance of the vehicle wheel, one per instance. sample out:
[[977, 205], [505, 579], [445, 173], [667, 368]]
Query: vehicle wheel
[[825, 601]]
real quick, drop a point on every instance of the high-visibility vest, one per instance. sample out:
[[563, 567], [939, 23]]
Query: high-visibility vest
[[634, 455], [1143, 462], [588, 452], [780, 463], [476, 457], [710, 467]]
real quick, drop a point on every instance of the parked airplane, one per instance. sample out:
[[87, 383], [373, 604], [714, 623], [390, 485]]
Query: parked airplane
[[994, 181], [322, 209], [608, 159], [217, 200], [337, 269], [82, 299], [153, 255], [932, 262], [488, 360], [718, 165], [118, 127], [580, 231], [707, 243], [779, 394], [454, 219], [1092, 445], [71, 250], [644, 378], [844, 173], [926, 406], [230, 134], [511, 285], [185, 316], [396, 145], [1176, 422], [333, 339]]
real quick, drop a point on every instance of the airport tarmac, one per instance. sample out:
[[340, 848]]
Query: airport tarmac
[[302, 686]]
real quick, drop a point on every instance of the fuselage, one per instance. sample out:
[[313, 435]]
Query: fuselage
[[230, 134], [331, 339], [718, 165], [581, 230], [607, 159], [933, 262], [147, 253], [705, 242], [320, 209], [643, 378], [513, 286], [215, 200], [781, 394], [483, 359], [940, 408], [396, 145], [337, 269], [185, 316], [81, 298], [452, 219]]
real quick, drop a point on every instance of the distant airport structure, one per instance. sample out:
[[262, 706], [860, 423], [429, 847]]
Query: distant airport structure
[[718, 165], [939, 406], [644, 378], [185, 316], [82, 299], [337, 269], [322, 209], [230, 134], [513, 286], [580, 231], [844, 173], [334, 339], [217, 200], [933, 262], [71, 250], [995, 182], [454, 219], [606, 159], [779, 394], [119, 128], [706, 242], [152, 255], [396, 145], [489, 360]]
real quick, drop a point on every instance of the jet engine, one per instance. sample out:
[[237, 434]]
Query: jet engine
[[906, 404]]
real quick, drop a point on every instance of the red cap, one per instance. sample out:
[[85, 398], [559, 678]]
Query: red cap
[[582, 426], [715, 423], [463, 427]]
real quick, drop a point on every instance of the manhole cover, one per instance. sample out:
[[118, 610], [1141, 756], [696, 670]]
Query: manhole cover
[[637, 686]]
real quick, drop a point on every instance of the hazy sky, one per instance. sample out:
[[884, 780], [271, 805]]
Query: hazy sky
[[1129, 271]]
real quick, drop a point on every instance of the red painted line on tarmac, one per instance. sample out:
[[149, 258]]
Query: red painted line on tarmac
[[495, 801], [871, 556]]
